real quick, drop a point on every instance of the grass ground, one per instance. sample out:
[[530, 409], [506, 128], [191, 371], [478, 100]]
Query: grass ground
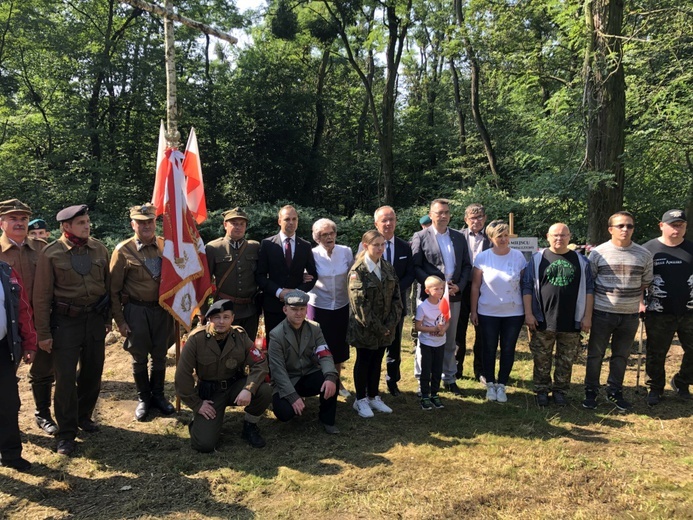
[[472, 459]]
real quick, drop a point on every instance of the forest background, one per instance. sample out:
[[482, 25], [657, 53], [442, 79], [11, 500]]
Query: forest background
[[555, 110]]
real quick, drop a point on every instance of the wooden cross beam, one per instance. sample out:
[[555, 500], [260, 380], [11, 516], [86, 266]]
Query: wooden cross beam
[[172, 134]]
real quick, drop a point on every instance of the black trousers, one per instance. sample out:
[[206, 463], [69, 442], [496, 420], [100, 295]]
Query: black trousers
[[367, 371], [305, 387], [10, 441], [272, 319], [394, 356], [461, 337]]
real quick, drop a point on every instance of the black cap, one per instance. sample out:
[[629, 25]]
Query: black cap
[[674, 215], [38, 223], [71, 212], [218, 307]]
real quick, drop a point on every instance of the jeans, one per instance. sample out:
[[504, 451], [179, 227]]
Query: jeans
[[619, 330], [431, 369], [660, 331], [507, 330]]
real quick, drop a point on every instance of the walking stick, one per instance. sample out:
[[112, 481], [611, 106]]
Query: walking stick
[[637, 379]]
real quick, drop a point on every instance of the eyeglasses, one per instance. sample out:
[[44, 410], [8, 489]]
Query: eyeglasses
[[477, 217], [440, 213], [624, 226], [328, 234]]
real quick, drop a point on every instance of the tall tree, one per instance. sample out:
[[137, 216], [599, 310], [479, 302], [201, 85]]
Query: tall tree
[[605, 104]]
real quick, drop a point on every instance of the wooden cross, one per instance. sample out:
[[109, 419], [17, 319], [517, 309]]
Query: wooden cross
[[172, 133]]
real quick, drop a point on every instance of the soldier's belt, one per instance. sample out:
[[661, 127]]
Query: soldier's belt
[[143, 304], [206, 389], [71, 310], [239, 301]]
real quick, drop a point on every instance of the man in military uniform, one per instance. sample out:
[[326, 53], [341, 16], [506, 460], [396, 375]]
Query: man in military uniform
[[301, 364], [145, 325], [72, 314], [219, 353], [39, 229], [21, 253], [232, 261]]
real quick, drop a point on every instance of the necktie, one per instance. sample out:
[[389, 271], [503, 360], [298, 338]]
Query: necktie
[[388, 253], [287, 252]]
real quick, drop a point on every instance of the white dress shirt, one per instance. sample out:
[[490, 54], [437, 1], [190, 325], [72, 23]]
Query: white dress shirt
[[330, 291]]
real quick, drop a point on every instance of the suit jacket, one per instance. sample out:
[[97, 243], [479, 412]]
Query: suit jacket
[[486, 244], [289, 361], [428, 259], [272, 273], [403, 262]]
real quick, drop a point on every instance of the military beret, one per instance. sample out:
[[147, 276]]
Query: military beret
[[38, 223], [425, 220], [234, 213], [218, 307], [143, 212], [71, 212], [297, 298], [13, 205], [674, 215]]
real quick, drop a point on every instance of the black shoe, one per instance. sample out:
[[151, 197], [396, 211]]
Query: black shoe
[[162, 404], [142, 410], [590, 401], [436, 402], [559, 399], [616, 398], [542, 399], [653, 398], [394, 389], [88, 426], [19, 464], [66, 447], [426, 403], [45, 422], [453, 388], [681, 390], [330, 429], [251, 433]]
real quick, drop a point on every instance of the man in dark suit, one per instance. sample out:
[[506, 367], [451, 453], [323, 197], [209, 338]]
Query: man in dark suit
[[477, 241], [443, 252], [398, 253], [282, 261]]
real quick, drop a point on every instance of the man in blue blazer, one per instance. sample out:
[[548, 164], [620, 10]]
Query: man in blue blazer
[[477, 241], [398, 253], [443, 252], [282, 261]]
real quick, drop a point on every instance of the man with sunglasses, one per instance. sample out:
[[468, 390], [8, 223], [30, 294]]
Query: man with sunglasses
[[670, 306], [622, 270]]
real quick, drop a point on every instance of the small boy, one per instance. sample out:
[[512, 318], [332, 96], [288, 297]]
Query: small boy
[[431, 325]]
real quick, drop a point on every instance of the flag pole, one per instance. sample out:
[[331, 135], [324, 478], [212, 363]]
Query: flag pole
[[176, 329]]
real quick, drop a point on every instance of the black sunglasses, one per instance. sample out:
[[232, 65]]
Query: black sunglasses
[[624, 226]]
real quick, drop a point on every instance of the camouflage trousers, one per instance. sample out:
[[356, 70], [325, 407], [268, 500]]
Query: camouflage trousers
[[660, 333], [567, 347]]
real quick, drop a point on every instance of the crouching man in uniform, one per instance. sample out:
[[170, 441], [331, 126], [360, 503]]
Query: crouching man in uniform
[[219, 353], [146, 326], [301, 364]]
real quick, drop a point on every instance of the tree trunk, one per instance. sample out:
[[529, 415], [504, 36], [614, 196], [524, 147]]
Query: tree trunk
[[605, 100], [458, 108]]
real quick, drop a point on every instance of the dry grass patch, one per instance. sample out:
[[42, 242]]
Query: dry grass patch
[[471, 459]]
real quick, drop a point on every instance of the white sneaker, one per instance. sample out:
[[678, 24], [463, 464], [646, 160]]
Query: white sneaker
[[362, 407], [491, 392], [500, 394], [377, 404], [343, 392]]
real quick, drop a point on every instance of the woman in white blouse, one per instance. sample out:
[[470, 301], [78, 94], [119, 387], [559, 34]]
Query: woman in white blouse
[[329, 299], [496, 306]]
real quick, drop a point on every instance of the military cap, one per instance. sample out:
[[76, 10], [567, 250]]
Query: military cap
[[38, 223], [235, 213], [71, 212], [425, 220], [297, 298], [218, 307], [674, 215], [143, 212], [13, 205]]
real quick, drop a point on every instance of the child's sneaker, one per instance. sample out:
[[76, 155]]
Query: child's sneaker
[[426, 404], [435, 401]]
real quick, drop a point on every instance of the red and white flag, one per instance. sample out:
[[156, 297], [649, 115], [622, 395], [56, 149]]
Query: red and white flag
[[185, 281], [444, 304], [194, 187]]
